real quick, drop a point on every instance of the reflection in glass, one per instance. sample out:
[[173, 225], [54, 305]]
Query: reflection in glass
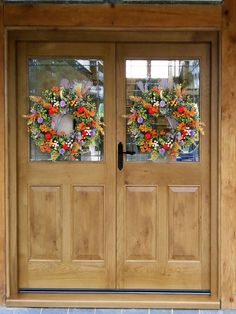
[[142, 75], [44, 73]]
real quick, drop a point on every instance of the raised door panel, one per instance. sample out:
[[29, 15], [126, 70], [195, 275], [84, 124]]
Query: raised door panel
[[184, 222], [140, 223], [88, 234], [44, 223]]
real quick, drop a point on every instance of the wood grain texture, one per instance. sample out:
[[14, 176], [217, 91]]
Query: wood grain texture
[[141, 225], [189, 265], [2, 163], [184, 223], [113, 16], [228, 157], [44, 223], [115, 301], [68, 199], [88, 230]]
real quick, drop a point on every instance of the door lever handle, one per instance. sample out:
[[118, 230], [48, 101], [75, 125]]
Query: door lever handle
[[120, 155], [129, 153]]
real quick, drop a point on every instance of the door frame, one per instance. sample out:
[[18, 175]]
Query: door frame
[[106, 300]]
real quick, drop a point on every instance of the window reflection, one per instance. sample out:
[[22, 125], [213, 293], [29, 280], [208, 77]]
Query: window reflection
[[142, 75], [44, 73]]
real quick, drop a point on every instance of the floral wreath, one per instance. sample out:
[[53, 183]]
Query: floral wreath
[[180, 112], [47, 110]]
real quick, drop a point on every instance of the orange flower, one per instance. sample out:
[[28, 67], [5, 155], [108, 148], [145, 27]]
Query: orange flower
[[34, 116], [47, 105], [136, 98], [92, 113], [132, 117], [36, 98], [45, 148], [146, 105], [86, 112], [143, 128], [194, 123], [181, 126], [186, 113], [82, 126], [162, 132], [56, 89], [192, 112]]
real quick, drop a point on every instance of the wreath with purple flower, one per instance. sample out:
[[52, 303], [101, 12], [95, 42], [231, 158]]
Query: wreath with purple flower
[[71, 105], [147, 122]]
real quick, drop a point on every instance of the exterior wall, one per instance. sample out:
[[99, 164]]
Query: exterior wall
[[200, 17]]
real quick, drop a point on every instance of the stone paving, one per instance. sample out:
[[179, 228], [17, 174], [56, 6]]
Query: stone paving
[[4, 310]]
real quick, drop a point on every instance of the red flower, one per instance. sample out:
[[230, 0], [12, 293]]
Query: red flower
[[65, 146], [47, 136], [80, 109], [84, 133], [180, 109], [51, 111], [184, 133], [147, 136], [152, 110], [155, 89], [165, 146]]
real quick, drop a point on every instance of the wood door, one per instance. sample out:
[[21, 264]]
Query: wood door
[[164, 207], [70, 233], [66, 209]]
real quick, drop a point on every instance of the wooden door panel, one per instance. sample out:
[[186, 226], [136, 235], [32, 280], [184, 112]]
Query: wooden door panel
[[141, 219], [44, 223], [184, 222], [88, 231]]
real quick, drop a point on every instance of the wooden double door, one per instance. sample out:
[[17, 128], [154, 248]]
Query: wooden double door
[[88, 225]]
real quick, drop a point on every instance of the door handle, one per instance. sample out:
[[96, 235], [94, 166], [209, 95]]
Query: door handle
[[120, 155]]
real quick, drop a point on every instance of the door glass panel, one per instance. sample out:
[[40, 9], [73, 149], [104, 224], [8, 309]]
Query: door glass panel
[[85, 77], [162, 85]]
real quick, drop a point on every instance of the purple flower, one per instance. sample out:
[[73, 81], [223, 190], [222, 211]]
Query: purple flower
[[33, 111], [65, 83], [91, 132], [191, 133], [162, 151], [62, 103], [61, 151], [162, 103], [40, 120], [140, 119]]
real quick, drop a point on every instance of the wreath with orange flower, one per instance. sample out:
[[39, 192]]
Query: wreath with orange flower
[[45, 112], [154, 105]]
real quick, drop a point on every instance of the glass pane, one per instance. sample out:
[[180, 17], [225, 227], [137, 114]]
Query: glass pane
[[163, 110], [66, 109]]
